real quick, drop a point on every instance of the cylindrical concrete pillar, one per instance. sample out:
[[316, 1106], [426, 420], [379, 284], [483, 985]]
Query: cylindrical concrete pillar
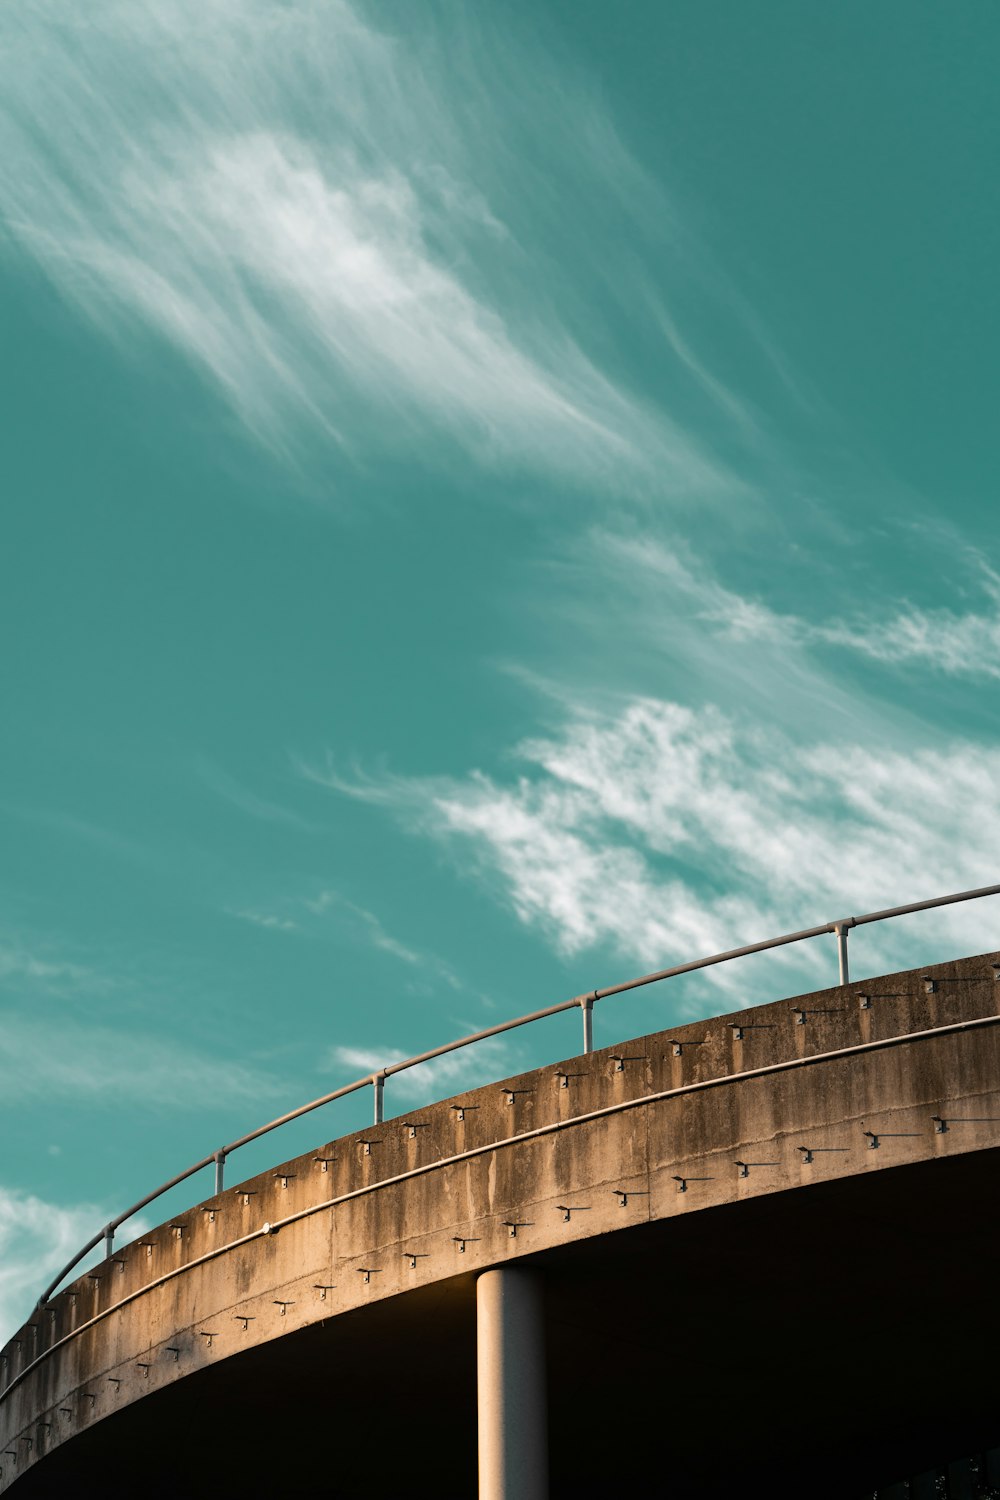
[[513, 1420]]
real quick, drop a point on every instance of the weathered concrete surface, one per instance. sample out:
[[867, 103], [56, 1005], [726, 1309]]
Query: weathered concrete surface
[[619, 1192]]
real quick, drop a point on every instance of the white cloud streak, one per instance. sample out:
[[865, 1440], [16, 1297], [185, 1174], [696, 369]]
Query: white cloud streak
[[21, 964], [267, 920], [331, 902], [249, 802], [291, 199], [668, 833], [955, 643]]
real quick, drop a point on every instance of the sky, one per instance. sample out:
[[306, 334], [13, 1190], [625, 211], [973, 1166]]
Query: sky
[[495, 500]]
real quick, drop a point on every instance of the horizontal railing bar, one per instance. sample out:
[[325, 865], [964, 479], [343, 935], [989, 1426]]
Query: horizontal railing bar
[[716, 958], [587, 998], [295, 1114], [90, 1245], [396, 1067], [902, 911], [121, 1219], [554, 1126], [480, 1036], [200, 1166]]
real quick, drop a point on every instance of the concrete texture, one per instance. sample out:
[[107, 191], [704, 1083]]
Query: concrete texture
[[682, 1275]]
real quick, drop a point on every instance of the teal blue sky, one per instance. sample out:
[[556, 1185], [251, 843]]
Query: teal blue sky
[[495, 500]]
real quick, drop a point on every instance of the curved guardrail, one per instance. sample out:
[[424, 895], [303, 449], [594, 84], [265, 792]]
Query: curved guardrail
[[541, 1132], [584, 1003]]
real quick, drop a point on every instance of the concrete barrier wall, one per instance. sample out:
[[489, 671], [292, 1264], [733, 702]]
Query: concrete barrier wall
[[660, 1126]]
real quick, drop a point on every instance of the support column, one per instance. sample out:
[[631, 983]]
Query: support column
[[513, 1419]]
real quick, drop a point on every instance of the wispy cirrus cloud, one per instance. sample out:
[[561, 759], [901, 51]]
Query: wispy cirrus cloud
[[369, 929], [665, 832], [332, 901], [270, 921], [248, 801], [957, 644], [330, 909], [21, 964], [294, 200], [954, 642]]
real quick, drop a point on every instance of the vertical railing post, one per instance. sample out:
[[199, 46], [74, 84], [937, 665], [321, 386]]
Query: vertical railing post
[[587, 1006], [220, 1170], [842, 929], [109, 1241], [378, 1085]]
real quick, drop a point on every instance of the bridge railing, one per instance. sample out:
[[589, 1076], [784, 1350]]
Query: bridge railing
[[584, 1003]]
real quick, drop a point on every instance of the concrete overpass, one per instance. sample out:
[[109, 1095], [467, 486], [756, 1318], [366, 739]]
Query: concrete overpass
[[758, 1252]]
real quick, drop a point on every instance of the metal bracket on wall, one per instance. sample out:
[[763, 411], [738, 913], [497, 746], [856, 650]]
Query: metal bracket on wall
[[677, 1046], [682, 1182], [624, 1194]]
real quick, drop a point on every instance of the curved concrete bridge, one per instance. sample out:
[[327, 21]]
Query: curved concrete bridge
[[751, 1250]]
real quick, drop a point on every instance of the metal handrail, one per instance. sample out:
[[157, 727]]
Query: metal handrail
[[584, 1003]]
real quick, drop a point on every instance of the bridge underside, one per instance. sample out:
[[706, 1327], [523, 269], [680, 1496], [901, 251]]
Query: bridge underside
[[823, 1341]]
